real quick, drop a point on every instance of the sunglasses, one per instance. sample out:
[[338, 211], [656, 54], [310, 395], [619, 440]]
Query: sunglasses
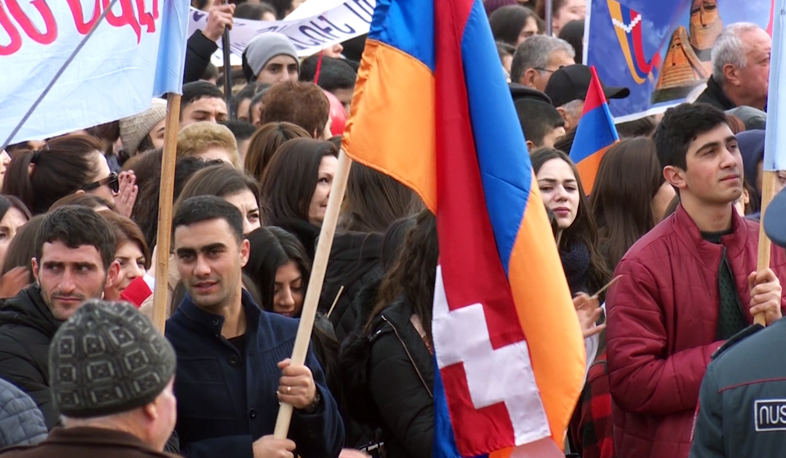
[[110, 181]]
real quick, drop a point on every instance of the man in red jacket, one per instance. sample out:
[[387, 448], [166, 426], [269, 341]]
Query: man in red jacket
[[686, 286]]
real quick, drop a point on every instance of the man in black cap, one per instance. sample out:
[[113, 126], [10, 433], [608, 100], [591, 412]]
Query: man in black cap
[[111, 378], [568, 88], [742, 401], [540, 122]]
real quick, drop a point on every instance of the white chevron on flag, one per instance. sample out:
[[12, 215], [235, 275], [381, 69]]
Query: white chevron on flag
[[493, 376]]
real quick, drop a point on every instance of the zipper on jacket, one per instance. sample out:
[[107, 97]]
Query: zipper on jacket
[[411, 360]]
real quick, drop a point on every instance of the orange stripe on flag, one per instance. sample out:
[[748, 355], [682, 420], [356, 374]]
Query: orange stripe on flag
[[588, 169], [551, 337], [391, 126]]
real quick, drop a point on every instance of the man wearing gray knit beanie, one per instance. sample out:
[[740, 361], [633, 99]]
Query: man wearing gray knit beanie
[[111, 376], [270, 58]]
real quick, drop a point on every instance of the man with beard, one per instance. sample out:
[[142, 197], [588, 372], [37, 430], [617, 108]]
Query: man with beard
[[74, 258]]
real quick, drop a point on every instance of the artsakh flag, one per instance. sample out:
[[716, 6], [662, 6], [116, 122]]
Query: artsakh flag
[[594, 135], [432, 109]]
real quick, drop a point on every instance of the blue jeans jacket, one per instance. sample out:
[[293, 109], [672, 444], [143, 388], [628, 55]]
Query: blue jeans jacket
[[226, 400]]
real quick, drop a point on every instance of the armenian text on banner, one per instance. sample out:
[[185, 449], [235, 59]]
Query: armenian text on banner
[[310, 30], [136, 53], [661, 50]]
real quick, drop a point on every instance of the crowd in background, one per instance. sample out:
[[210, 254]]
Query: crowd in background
[[79, 222]]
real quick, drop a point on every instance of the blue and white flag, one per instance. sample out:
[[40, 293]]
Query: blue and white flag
[[774, 139], [136, 53]]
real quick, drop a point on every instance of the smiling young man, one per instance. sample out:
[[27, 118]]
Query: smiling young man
[[686, 287], [74, 258], [232, 358]]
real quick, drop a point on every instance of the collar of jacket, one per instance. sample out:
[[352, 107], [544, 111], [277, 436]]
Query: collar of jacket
[[719, 94], [89, 436], [211, 323], [707, 252], [29, 308]]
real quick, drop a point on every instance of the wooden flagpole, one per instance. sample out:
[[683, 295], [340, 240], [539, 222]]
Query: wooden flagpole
[[167, 190], [769, 179], [315, 282]]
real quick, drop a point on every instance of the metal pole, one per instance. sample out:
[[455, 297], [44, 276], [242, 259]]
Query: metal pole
[[549, 14], [228, 73]]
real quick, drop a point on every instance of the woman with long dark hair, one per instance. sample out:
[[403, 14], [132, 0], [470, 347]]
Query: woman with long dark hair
[[389, 365], [66, 165], [629, 197], [279, 268], [230, 184], [563, 194], [296, 183], [513, 24]]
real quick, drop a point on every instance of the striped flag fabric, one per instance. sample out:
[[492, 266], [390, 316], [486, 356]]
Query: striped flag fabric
[[594, 135], [432, 109]]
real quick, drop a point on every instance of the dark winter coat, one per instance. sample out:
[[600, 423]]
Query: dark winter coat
[[392, 374], [353, 263], [227, 400], [742, 411], [199, 49], [715, 96], [84, 442], [21, 423], [26, 330]]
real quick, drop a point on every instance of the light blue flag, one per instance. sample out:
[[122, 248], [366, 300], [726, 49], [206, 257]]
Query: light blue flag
[[132, 57], [775, 137]]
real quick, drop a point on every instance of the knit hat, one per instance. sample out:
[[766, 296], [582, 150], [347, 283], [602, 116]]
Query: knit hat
[[751, 117], [263, 48], [108, 359], [751, 144], [133, 129]]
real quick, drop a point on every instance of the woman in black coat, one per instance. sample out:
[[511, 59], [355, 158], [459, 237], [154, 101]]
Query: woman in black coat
[[389, 365]]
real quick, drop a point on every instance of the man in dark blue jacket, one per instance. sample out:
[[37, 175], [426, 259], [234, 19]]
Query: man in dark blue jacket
[[233, 369]]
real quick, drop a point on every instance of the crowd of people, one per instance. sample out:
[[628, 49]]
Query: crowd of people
[[672, 219]]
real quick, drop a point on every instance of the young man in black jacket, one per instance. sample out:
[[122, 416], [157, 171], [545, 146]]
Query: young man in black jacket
[[74, 259], [233, 369]]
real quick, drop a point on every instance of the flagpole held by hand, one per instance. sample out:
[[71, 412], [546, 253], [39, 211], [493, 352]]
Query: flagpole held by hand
[[167, 187], [315, 282], [769, 179]]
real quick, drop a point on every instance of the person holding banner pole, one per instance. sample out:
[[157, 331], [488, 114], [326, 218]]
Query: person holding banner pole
[[233, 358], [687, 286], [746, 375], [203, 43], [774, 146]]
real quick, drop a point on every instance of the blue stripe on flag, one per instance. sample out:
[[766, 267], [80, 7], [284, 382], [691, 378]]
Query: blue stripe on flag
[[594, 133], [407, 25], [503, 159]]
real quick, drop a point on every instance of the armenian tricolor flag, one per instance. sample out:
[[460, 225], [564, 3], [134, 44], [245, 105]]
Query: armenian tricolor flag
[[594, 135], [432, 109]]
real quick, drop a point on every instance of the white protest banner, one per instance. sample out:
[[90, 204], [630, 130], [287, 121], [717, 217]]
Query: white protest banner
[[310, 34], [136, 53]]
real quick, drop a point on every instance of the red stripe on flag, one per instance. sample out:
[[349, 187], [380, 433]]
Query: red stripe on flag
[[471, 267], [595, 96], [496, 434]]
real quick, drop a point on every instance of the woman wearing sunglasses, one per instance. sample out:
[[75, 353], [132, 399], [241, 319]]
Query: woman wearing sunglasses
[[67, 165]]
